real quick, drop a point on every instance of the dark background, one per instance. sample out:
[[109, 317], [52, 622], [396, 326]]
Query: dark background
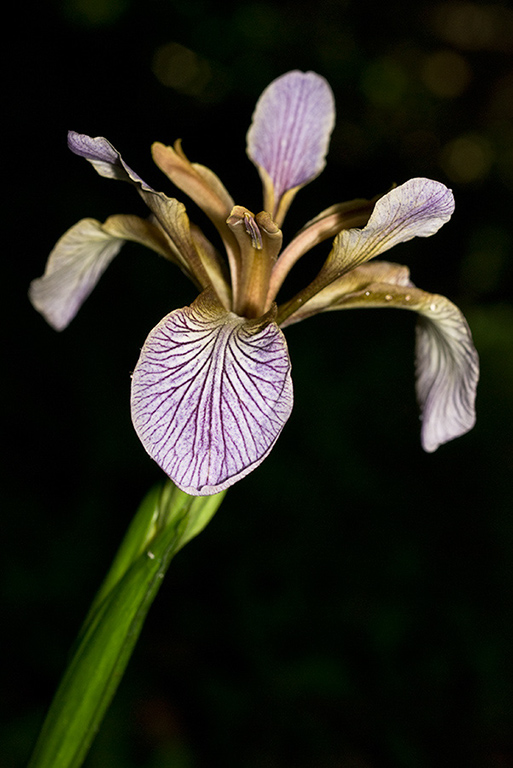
[[350, 604]]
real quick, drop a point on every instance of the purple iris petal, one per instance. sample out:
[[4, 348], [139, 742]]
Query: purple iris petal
[[417, 208], [74, 267], [103, 156], [291, 129], [210, 395], [447, 368]]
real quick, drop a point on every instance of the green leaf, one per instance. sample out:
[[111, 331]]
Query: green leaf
[[166, 520]]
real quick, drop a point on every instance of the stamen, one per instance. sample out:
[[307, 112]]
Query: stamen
[[253, 231]]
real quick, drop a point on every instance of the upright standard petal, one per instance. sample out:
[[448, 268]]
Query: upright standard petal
[[446, 361], [211, 393], [289, 135]]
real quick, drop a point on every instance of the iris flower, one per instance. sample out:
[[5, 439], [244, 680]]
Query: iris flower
[[212, 389]]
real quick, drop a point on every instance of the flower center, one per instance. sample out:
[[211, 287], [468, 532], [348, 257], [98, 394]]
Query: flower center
[[259, 241]]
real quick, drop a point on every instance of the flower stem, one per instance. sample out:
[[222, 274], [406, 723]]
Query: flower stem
[[166, 520]]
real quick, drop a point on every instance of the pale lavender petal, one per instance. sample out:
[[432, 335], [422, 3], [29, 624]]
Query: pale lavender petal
[[211, 393], [447, 368], [417, 208], [73, 268], [103, 157], [291, 129]]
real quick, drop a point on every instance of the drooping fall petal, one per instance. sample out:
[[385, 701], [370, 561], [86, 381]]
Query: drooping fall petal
[[103, 157], [417, 208], [447, 372], [211, 393], [350, 288], [202, 264], [446, 361], [289, 136], [79, 259]]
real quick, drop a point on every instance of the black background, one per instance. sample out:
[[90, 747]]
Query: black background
[[350, 604]]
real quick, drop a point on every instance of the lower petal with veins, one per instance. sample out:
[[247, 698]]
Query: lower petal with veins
[[210, 395]]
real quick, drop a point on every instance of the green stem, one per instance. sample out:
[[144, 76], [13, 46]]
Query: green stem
[[166, 520]]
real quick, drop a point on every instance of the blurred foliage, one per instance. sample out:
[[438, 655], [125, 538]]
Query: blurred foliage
[[350, 606]]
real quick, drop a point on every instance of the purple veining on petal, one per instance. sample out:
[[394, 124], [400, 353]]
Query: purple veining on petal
[[210, 396], [291, 129], [92, 148], [104, 157], [447, 369], [417, 208], [74, 267]]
